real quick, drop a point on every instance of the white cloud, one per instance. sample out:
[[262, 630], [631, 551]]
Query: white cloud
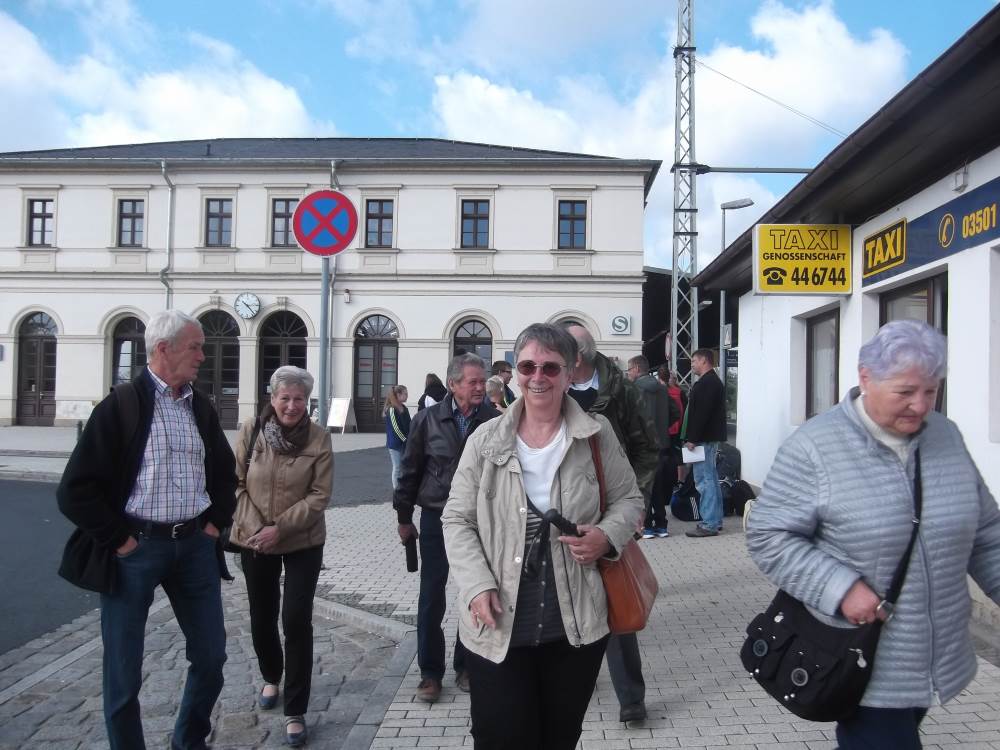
[[90, 101], [806, 58]]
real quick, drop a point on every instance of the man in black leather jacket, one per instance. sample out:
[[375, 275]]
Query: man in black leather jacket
[[433, 448]]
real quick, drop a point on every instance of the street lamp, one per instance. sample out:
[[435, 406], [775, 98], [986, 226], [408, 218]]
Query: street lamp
[[727, 206]]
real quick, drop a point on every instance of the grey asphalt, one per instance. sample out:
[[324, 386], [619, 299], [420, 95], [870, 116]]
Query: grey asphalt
[[31, 536]]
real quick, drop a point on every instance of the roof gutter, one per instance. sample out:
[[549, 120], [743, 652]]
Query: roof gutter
[[165, 271]]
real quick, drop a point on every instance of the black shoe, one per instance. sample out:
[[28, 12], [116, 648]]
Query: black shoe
[[296, 739], [632, 712], [267, 702], [700, 531]]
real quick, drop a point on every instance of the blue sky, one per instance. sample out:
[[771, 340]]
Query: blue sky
[[576, 75]]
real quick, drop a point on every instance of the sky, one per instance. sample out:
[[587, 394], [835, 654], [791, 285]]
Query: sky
[[573, 75]]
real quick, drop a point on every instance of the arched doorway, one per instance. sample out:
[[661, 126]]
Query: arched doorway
[[36, 370], [128, 350], [376, 361], [474, 337], [282, 342], [219, 374]]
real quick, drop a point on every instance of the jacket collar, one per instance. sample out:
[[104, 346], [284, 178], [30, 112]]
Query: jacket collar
[[609, 379], [847, 408], [502, 442]]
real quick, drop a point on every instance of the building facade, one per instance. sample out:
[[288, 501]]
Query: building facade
[[459, 247]]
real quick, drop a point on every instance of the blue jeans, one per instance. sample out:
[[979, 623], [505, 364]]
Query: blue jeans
[[706, 480], [189, 573], [876, 728], [433, 600], [396, 456]]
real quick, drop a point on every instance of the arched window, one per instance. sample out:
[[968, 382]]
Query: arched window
[[282, 342], [474, 337], [377, 327], [38, 324], [128, 352]]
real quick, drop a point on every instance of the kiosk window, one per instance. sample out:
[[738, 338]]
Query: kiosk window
[[822, 362]]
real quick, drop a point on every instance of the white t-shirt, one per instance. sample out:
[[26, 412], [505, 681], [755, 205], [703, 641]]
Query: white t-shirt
[[539, 466]]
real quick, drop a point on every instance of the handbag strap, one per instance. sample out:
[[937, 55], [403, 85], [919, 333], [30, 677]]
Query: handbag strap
[[918, 505], [595, 451], [250, 445]]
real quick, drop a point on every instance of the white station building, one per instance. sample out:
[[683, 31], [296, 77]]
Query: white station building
[[459, 247], [919, 184]]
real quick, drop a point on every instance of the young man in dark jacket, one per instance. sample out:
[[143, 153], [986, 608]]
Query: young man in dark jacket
[[149, 485], [706, 426], [600, 388], [437, 437]]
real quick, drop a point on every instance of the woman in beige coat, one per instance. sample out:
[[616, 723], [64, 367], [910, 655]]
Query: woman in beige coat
[[279, 523], [532, 606]]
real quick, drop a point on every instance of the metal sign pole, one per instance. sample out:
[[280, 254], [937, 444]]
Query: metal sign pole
[[324, 343]]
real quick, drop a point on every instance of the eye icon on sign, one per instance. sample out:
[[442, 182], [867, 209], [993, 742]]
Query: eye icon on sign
[[620, 324], [946, 230]]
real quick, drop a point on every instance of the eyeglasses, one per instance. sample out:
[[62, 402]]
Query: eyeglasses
[[549, 369]]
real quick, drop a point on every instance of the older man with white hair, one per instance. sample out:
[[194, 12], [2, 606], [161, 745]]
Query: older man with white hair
[[150, 484]]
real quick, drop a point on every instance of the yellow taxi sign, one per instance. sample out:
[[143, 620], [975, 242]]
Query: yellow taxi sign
[[802, 259]]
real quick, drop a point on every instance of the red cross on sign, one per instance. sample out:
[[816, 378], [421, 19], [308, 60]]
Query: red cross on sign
[[325, 222]]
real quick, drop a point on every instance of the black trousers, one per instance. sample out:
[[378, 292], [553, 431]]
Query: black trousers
[[433, 600], [263, 573], [536, 698], [625, 668], [663, 486]]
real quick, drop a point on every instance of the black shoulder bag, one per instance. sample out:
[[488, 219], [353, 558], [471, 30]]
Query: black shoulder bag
[[820, 672]]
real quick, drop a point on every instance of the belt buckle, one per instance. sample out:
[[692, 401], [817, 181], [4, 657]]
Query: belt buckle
[[176, 529]]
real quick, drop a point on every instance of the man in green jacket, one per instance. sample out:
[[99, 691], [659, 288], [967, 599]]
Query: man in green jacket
[[599, 387]]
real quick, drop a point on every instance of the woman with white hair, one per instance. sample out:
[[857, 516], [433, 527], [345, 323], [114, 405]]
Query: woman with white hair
[[285, 467], [835, 519]]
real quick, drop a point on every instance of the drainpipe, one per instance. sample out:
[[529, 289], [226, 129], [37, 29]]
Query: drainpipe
[[165, 271]]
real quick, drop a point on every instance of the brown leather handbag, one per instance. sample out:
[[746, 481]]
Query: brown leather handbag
[[629, 581]]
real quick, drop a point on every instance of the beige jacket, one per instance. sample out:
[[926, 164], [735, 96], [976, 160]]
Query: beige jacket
[[290, 491], [485, 519]]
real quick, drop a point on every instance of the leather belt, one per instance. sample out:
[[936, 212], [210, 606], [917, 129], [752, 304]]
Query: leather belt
[[154, 530]]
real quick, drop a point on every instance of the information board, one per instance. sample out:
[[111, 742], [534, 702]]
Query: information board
[[341, 415]]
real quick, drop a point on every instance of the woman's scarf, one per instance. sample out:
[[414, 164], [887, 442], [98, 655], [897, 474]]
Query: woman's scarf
[[284, 439]]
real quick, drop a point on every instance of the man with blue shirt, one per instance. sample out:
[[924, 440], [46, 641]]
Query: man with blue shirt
[[150, 484], [433, 448]]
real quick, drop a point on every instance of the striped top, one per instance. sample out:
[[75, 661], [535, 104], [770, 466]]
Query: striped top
[[171, 484]]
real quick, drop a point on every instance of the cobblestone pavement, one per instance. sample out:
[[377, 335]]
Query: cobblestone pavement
[[697, 693], [50, 688]]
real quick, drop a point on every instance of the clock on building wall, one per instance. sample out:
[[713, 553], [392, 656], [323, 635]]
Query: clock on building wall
[[247, 305]]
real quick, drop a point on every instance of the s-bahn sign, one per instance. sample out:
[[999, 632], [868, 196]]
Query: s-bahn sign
[[802, 259]]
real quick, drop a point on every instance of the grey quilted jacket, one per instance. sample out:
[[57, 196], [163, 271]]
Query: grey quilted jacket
[[836, 506]]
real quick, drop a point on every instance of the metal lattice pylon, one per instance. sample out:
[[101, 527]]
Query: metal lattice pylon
[[684, 299]]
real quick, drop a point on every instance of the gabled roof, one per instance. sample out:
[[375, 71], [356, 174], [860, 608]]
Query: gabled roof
[[346, 152], [945, 117]]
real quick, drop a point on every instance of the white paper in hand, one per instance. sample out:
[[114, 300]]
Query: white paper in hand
[[693, 456]]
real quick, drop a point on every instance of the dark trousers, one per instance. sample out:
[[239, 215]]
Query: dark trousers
[[189, 573], [536, 698], [663, 487], [879, 728], [433, 600], [625, 668], [263, 574]]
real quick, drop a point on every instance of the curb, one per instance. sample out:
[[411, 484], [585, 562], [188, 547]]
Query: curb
[[25, 475], [362, 620]]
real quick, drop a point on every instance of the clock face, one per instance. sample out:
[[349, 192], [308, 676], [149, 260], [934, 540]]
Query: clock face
[[247, 305]]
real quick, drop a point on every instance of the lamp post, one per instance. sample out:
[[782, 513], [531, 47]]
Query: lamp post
[[727, 206]]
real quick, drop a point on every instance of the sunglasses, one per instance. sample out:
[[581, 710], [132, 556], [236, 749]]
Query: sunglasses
[[549, 369]]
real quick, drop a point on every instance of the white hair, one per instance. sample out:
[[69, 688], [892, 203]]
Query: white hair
[[903, 345], [291, 375], [456, 368], [167, 325]]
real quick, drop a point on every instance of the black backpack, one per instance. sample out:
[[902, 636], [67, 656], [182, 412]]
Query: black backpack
[[684, 501], [735, 494]]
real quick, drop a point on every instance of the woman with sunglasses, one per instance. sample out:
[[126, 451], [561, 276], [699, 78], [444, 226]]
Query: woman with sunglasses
[[532, 607]]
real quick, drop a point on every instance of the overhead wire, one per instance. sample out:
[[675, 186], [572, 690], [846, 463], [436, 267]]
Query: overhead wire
[[813, 120]]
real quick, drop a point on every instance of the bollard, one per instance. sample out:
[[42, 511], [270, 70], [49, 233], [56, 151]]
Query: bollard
[[79, 429]]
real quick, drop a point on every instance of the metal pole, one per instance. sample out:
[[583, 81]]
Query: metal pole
[[324, 343], [722, 312]]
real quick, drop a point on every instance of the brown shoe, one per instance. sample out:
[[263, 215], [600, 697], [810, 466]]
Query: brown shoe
[[429, 690], [462, 681]]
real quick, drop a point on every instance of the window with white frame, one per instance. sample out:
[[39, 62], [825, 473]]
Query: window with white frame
[[41, 222], [131, 222], [822, 362], [218, 222]]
